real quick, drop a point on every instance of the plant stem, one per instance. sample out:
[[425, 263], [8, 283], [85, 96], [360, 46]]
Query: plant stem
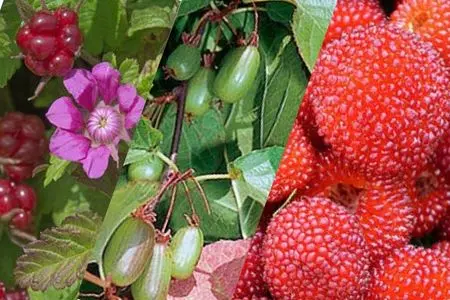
[[167, 161], [247, 9], [213, 177], [22, 235], [170, 210], [89, 58], [178, 123], [43, 5], [95, 280], [25, 10]]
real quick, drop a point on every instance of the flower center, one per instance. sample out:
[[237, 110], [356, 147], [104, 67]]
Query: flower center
[[104, 124]]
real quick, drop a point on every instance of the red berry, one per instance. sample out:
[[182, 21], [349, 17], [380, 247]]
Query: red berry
[[66, 16], [431, 196], [444, 227], [349, 14], [33, 127], [38, 67], [26, 196], [296, 167], [444, 247], [19, 172], [411, 273], [8, 202], [23, 38], [251, 284], [430, 19], [361, 92], [443, 156], [8, 145], [22, 220], [60, 64], [5, 187], [42, 47], [2, 291], [314, 249], [70, 38], [43, 22]]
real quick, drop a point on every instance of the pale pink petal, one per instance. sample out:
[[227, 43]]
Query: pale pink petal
[[108, 80], [135, 113], [96, 162], [63, 114], [82, 86], [68, 145], [126, 94]]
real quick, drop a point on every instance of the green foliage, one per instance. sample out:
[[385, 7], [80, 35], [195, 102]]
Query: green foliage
[[59, 258], [57, 168], [69, 293]]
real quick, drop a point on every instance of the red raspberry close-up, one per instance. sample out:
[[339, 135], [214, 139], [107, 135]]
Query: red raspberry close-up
[[17, 196], [315, 249], [361, 91], [411, 273], [49, 41], [349, 14], [430, 19], [22, 144]]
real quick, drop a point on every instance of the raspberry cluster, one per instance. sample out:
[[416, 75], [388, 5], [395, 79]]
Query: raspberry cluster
[[368, 164], [20, 196], [23, 143], [49, 41]]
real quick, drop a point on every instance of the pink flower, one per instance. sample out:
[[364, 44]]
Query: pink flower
[[90, 128]]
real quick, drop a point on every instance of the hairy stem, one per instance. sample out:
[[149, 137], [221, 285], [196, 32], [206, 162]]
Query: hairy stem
[[95, 280], [213, 177]]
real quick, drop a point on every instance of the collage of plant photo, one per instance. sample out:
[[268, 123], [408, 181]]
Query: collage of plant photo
[[210, 149]]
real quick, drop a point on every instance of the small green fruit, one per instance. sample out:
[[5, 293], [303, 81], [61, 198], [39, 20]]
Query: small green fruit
[[237, 74], [149, 169], [184, 61], [128, 250], [186, 245], [199, 92], [154, 282]]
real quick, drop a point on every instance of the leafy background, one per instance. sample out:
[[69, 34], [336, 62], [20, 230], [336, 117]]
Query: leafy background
[[245, 139]]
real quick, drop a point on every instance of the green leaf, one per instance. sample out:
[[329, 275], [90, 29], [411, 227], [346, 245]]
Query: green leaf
[[310, 24], [59, 258], [10, 253], [129, 69], [69, 293], [9, 22], [202, 141], [280, 11], [154, 14], [223, 223], [190, 6], [144, 82], [135, 155], [284, 82], [257, 170], [111, 58], [125, 200], [145, 137], [57, 168]]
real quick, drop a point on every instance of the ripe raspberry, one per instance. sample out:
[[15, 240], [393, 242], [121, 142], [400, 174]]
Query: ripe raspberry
[[296, 167], [349, 14], [443, 155], [314, 249], [430, 19], [444, 227], [2, 291], [17, 196], [431, 197], [411, 273], [361, 92], [251, 284], [386, 215], [49, 42], [444, 247], [22, 138]]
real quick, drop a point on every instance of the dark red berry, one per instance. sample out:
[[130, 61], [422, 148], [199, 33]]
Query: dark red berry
[[5, 187], [26, 196], [22, 220], [70, 38], [60, 64], [42, 47], [8, 202], [66, 16], [33, 127], [23, 38], [36, 66], [19, 172], [43, 22], [2, 290]]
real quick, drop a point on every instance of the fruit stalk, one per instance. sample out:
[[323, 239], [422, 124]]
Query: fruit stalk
[[178, 124]]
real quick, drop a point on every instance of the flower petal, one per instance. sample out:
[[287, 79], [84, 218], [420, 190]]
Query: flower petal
[[96, 162], [135, 112], [127, 94], [108, 80], [82, 86], [68, 145], [63, 114]]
